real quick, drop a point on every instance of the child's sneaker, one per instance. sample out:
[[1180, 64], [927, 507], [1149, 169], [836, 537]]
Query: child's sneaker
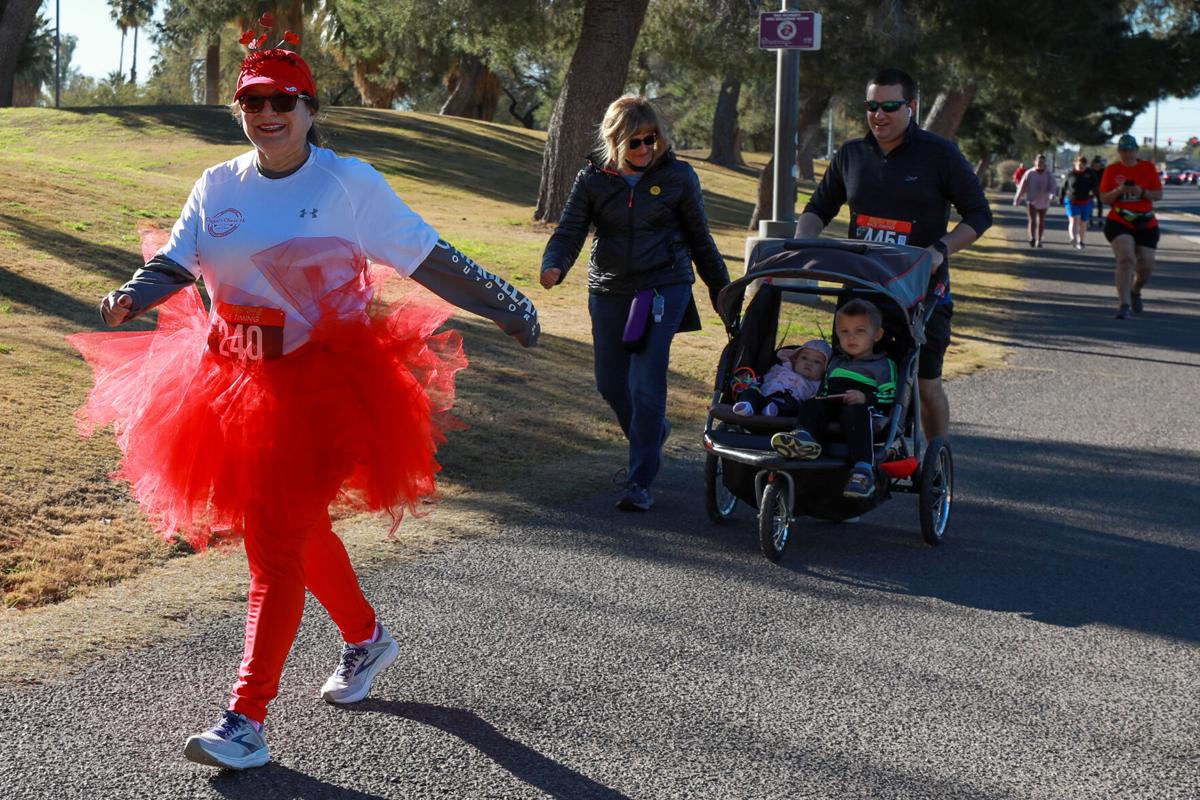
[[357, 667], [861, 484], [770, 410], [796, 444], [233, 742], [743, 408]]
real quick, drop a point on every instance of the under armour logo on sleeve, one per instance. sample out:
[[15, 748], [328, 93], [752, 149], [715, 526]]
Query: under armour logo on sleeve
[[304, 212]]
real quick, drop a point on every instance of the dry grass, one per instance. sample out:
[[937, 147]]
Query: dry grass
[[74, 185]]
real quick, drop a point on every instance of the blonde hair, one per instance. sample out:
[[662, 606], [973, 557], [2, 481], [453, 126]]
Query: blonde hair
[[624, 117]]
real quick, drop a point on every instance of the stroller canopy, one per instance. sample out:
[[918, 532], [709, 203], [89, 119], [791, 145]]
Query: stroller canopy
[[900, 272]]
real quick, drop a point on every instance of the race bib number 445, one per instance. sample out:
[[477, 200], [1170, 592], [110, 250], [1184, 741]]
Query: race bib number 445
[[248, 333], [882, 229]]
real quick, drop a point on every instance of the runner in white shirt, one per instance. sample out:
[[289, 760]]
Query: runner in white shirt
[[295, 389]]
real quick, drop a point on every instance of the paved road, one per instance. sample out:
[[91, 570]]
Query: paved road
[[1048, 650]]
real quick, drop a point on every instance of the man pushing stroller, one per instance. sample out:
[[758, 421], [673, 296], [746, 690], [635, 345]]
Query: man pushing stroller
[[864, 382]]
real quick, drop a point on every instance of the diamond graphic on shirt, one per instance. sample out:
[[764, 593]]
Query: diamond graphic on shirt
[[316, 275]]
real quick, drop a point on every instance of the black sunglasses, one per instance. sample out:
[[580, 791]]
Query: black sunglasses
[[649, 141], [281, 103], [890, 106]]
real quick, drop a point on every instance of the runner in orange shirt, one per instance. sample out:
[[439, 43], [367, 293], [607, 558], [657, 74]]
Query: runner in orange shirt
[[1131, 186]]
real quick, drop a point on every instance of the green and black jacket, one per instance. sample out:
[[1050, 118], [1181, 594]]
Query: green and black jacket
[[873, 375]]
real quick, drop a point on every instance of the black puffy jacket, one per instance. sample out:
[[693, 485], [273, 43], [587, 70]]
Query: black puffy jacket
[[646, 236]]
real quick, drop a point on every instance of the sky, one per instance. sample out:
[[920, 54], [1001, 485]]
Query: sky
[[100, 45]]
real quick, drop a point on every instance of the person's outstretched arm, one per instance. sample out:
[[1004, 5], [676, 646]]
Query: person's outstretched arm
[[151, 285], [454, 277]]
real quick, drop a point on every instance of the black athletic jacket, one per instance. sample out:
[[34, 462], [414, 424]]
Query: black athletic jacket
[[915, 184], [1080, 186], [646, 236]]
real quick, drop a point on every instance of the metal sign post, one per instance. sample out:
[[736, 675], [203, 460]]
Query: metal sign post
[[788, 32]]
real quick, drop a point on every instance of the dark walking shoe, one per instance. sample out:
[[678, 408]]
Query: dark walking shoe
[[796, 444], [861, 484], [1123, 312], [1136, 297], [636, 498]]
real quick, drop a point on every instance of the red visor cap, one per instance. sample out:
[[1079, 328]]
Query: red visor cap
[[282, 69]]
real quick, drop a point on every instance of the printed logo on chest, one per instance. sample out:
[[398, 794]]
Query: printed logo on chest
[[224, 222]]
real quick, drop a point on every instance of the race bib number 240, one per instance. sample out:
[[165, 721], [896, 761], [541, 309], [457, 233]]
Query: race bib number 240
[[881, 229], [247, 333]]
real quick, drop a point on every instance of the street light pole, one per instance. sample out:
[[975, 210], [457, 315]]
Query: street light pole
[[57, 52], [787, 107], [1156, 134]]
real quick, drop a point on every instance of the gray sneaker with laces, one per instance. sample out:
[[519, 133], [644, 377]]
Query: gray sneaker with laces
[[357, 667], [233, 743]]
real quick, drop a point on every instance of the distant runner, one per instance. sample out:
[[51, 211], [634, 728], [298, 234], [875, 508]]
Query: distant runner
[[1131, 186]]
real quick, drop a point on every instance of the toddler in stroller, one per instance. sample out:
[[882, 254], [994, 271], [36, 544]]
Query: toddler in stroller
[[796, 378], [865, 384]]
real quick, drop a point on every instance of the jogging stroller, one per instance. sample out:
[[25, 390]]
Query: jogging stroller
[[741, 464]]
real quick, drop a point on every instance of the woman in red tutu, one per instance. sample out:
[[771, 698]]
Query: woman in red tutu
[[297, 388]]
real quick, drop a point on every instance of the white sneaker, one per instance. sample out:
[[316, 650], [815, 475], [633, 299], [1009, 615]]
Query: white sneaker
[[233, 743], [743, 408], [357, 667], [770, 410]]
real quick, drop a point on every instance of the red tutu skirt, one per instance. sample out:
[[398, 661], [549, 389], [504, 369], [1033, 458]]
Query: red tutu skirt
[[212, 444]]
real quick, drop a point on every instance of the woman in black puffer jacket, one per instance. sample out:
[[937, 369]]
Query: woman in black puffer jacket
[[650, 226]]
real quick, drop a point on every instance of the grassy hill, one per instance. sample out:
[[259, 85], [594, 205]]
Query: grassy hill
[[75, 185]]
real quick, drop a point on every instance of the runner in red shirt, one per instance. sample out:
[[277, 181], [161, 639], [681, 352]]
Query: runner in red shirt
[[1131, 186]]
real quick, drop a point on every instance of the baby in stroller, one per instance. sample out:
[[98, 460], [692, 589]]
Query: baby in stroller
[[863, 381], [796, 378]]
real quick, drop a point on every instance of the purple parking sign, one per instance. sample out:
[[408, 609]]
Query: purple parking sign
[[789, 30]]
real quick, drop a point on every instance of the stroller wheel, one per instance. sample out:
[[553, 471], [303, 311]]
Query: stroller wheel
[[937, 490], [718, 500], [774, 520]]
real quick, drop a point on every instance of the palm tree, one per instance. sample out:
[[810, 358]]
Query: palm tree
[[130, 14], [142, 12], [117, 9]]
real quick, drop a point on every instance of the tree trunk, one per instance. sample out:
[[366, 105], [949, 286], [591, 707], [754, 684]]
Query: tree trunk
[[212, 71], [946, 113], [121, 57], [765, 206], [809, 129], [526, 118], [375, 94], [133, 67], [17, 18], [983, 170], [726, 144], [288, 17], [474, 90], [595, 78]]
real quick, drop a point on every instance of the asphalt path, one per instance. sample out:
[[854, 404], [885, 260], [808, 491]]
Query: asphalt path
[[1048, 650]]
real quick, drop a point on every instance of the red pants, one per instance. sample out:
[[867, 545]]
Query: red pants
[[282, 565]]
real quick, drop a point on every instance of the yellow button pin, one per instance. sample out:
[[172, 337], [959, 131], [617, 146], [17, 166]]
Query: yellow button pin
[[656, 190]]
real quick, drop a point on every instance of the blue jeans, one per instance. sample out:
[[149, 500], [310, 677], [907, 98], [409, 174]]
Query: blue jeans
[[634, 384]]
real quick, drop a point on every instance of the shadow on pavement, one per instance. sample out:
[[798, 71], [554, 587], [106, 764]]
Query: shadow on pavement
[[1061, 533], [276, 780], [522, 761]]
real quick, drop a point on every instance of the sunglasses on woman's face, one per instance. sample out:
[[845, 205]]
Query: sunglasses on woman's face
[[281, 103], [648, 140], [890, 106]]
